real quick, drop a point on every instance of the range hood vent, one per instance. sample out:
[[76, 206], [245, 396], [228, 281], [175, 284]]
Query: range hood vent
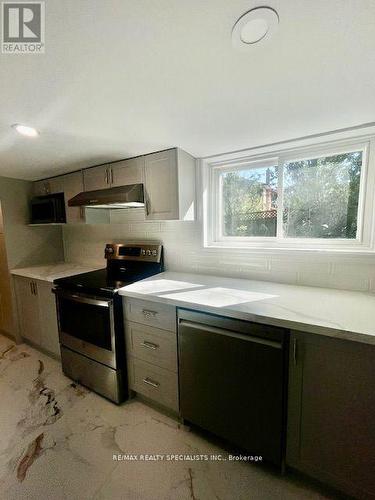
[[118, 197]]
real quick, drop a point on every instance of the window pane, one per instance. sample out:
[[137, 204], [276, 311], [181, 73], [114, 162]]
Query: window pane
[[249, 200], [321, 196]]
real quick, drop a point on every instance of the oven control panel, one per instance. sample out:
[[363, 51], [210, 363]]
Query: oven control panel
[[147, 252]]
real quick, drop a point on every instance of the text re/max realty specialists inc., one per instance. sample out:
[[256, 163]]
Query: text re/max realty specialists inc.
[[185, 457]]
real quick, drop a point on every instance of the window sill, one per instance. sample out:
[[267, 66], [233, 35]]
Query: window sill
[[270, 249]]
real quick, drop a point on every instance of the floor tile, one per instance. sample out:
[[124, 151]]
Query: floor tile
[[58, 441]]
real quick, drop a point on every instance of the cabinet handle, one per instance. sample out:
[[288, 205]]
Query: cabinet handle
[[147, 206], [148, 381], [111, 175], [149, 345], [106, 176], [295, 351], [147, 313], [31, 288], [35, 289]]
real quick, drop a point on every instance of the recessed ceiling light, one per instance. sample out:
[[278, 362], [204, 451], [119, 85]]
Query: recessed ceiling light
[[25, 130], [255, 26]]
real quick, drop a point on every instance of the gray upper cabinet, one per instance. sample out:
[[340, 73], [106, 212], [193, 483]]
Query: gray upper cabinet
[[40, 188], [48, 186], [73, 185], [331, 408], [123, 173], [70, 185], [96, 178], [161, 183], [170, 185], [120, 173], [168, 178]]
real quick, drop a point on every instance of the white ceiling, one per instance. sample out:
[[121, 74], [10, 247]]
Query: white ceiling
[[121, 78]]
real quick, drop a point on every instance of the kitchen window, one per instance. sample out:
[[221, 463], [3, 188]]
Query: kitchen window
[[310, 198]]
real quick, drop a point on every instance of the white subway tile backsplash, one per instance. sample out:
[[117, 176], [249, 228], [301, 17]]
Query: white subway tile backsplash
[[372, 285], [299, 265], [184, 252], [142, 228], [353, 282], [311, 278], [350, 268]]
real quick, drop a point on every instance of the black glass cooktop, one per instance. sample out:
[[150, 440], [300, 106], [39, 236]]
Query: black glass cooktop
[[95, 282], [106, 282]]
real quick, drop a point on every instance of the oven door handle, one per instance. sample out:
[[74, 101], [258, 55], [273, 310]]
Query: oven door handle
[[85, 300]]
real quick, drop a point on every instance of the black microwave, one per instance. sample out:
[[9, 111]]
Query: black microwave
[[49, 209]]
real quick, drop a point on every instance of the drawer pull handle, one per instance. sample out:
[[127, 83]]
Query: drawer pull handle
[[149, 345], [148, 381], [148, 313]]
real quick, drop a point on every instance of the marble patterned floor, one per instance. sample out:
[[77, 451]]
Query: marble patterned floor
[[58, 439]]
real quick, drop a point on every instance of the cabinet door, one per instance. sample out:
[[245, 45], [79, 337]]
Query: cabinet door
[[161, 185], [73, 184], [47, 310], [127, 172], [6, 313], [96, 178], [56, 185], [28, 309], [41, 188], [48, 186], [331, 431]]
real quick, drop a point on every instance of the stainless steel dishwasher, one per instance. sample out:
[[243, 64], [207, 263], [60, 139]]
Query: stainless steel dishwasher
[[233, 381]]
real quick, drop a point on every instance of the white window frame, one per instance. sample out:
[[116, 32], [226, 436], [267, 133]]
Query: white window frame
[[211, 199]]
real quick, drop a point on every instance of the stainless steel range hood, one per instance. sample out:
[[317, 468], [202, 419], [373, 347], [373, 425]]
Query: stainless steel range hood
[[118, 197]]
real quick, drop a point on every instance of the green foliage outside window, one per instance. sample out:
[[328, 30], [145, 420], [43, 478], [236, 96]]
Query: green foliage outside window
[[320, 198]]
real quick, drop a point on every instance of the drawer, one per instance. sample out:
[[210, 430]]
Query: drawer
[[153, 382], [152, 344], [150, 313]]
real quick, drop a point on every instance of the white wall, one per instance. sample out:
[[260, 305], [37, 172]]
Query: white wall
[[184, 252], [26, 245]]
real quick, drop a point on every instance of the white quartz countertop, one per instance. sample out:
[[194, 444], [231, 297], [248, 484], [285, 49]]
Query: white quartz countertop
[[335, 313], [51, 272]]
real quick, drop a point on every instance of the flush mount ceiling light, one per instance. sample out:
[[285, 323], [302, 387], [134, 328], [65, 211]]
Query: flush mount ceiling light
[[254, 27], [25, 130]]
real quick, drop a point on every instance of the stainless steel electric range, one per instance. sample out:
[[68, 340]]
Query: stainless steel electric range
[[90, 317]]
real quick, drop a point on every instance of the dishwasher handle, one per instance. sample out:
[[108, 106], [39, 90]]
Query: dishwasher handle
[[229, 333]]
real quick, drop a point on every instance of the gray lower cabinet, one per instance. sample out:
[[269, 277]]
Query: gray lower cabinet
[[48, 318], [151, 350], [331, 412], [28, 309], [37, 313]]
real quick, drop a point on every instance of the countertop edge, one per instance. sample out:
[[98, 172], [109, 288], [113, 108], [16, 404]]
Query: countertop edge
[[325, 331], [28, 272], [31, 276]]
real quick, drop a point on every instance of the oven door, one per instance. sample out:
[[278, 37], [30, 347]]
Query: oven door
[[86, 326]]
